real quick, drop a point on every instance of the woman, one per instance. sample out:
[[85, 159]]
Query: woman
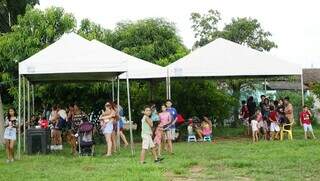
[[10, 133], [107, 119]]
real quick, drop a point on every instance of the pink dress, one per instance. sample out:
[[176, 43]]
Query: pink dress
[[164, 119]]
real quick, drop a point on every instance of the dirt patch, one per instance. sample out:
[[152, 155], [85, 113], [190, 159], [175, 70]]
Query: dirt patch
[[196, 173], [88, 168]]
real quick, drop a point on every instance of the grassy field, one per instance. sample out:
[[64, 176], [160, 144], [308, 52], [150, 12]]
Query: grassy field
[[230, 158]]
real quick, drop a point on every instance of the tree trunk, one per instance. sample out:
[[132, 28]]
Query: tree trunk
[[1, 122]]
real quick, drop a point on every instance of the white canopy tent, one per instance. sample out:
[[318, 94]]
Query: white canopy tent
[[72, 59], [137, 68], [224, 58]]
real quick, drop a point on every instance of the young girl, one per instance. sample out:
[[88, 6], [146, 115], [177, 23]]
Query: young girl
[[107, 118], [10, 133], [261, 124], [254, 127], [164, 122], [206, 127]]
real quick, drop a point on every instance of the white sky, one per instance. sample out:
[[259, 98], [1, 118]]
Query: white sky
[[295, 24]]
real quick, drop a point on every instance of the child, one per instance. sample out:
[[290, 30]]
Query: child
[[190, 128], [274, 127], [146, 134], [206, 127], [254, 127], [164, 118], [305, 121], [261, 124]]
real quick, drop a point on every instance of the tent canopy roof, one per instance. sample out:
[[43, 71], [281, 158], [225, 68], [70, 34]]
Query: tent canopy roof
[[223, 58], [72, 58], [137, 68]]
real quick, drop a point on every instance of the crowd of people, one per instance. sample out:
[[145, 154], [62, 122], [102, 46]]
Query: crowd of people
[[158, 129], [268, 118]]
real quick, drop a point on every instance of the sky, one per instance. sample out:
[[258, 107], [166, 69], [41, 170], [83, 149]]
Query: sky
[[294, 24]]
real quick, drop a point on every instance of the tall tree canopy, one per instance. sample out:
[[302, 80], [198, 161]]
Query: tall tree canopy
[[154, 40], [9, 11]]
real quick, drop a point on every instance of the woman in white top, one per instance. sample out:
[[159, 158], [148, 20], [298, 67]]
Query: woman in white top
[[10, 133]]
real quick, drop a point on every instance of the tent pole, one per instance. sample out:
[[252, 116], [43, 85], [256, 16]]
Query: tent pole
[[19, 118], [32, 91], [112, 89], [302, 90], [167, 87], [24, 112], [118, 105], [129, 113], [265, 86], [28, 100]]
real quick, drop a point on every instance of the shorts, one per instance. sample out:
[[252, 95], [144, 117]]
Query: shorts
[[170, 134], [147, 142], [274, 127], [108, 128], [10, 133], [254, 129], [307, 127]]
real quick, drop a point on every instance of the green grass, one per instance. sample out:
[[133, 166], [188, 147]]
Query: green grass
[[229, 159]]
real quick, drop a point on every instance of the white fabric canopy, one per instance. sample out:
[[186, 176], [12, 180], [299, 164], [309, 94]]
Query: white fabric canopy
[[223, 58], [137, 68], [72, 58]]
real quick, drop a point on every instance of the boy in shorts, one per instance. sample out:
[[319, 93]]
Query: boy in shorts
[[146, 134], [305, 121]]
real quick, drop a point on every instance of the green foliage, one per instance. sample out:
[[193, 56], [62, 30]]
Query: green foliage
[[152, 40], [90, 31], [12, 8]]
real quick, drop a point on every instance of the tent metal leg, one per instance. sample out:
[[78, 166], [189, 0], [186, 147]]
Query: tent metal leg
[[118, 105], [19, 118], [129, 113], [28, 101], [32, 91], [265, 86], [169, 87], [24, 112], [113, 89], [302, 89]]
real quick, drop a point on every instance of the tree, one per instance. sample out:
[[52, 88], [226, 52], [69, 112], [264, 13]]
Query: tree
[[90, 31], [153, 40], [33, 31], [10, 10], [244, 31]]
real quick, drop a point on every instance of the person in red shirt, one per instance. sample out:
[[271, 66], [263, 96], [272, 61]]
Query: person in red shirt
[[305, 121], [274, 126], [244, 116]]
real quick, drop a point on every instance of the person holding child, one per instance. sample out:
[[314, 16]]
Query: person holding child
[[170, 133], [305, 121], [146, 135]]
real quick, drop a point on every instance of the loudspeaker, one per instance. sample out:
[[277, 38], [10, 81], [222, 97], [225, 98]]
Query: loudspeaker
[[38, 141]]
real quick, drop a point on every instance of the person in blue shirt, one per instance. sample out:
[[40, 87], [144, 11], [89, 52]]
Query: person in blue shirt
[[170, 133]]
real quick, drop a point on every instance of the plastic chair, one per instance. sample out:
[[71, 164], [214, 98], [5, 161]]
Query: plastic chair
[[288, 131], [207, 138], [192, 138]]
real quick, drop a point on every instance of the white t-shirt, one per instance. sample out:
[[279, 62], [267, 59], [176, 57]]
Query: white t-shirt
[[254, 125], [63, 114]]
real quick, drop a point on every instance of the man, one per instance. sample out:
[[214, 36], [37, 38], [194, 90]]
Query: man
[[288, 110]]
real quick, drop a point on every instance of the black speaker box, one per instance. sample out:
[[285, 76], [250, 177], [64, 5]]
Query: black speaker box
[[38, 141]]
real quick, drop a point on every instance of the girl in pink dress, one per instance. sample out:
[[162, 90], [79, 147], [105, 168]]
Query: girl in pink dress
[[165, 119]]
